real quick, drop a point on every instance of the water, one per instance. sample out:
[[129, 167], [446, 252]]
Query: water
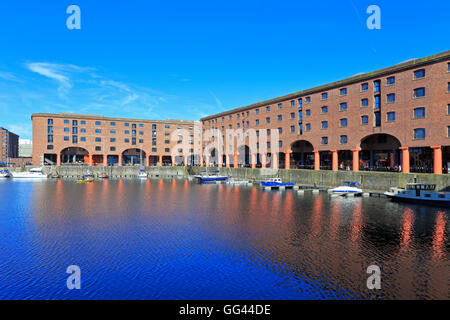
[[173, 239]]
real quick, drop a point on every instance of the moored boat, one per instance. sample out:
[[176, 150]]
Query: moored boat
[[348, 187], [420, 193], [276, 182], [210, 178], [35, 173], [5, 173], [142, 174]]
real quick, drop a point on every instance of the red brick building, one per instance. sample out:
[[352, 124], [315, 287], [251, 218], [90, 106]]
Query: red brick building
[[9, 145], [395, 119], [60, 139]]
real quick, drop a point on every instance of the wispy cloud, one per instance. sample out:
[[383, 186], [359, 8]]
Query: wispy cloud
[[9, 76]]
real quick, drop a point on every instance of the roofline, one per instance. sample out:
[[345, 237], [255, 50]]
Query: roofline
[[100, 117], [415, 63]]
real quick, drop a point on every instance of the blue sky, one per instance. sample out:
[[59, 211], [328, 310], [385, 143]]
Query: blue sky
[[187, 59]]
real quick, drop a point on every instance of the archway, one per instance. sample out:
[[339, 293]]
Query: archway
[[302, 155], [50, 159], [74, 155], [380, 152], [131, 157]]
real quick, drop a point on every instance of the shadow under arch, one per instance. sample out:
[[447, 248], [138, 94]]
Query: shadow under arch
[[302, 154], [74, 155], [380, 152]]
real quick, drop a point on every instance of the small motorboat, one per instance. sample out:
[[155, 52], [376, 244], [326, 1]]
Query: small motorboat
[[420, 193], [5, 173], [88, 177], [35, 173], [348, 187], [276, 182], [103, 176], [142, 174]]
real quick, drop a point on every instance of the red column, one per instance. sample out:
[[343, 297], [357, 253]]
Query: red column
[[405, 159], [253, 161], [287, 160], [355, 160], [236, 160], [263, 160], [120, 160], [437, 159], [160, 161], [316, 160], [201, 160], [91, 160], [105, 160], [185, 161], [173, 161], [58, 159], [335, 164]]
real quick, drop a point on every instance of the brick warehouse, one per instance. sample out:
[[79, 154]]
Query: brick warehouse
[[97, 140], [9, 144], [395, 119]]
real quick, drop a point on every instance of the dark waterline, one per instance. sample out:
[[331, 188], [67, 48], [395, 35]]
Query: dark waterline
[[172, 239]]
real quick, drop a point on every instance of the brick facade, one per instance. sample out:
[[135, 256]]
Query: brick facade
[[9, 145]]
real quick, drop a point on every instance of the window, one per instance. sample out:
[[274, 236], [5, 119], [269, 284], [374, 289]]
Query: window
[[66, 130], [66, 138], [292, 129], [308, 112], [49, 147], [448, 86], [83, 139], [280, 117], [133, 126], [238, 116], [141, 125], [300, 102], [364, 102], [419, 113], [344, 139], [166, 149], [324, 109], [292, 115], [390, 81], [343, 106], [98, 123], [97, 148], [50, 122], [292, 103], [343, 92], [74, 130], [280, 144], [419, 133], [74, 139], [376, 85], [127, 131], [419, 74], [133, 141], [112, 124], [50, 138], [325, 96], [112, 131], [267, 120], [448, 131], [66, 121], [112, 140], [364, 119], [83, 130], [268, 132], [98, 131], [377, 102], [82, 122], [343, 123], [141, 133], [74, 123], [280, 106], [390, 116], [153, 126], [154, 149], [112, 148], [268, 109], [308, 99], [127, 124], [364, 86], [308, 127], [127, 140], [448, 109], [419, 92], [98, 139], [49, 129], [257, 121], [324, 140], [257, 111], [324, 124], [391, 97], [141, 140], [280, 130]]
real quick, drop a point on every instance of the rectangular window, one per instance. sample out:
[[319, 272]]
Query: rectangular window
[[126, 124], [98, 131], [390, 81], [292, 129], [280, 130], [141, 125], [112, 140], [300, 102], [238, 116], [419, 133], [280, 117], [292, 115], [390, 116], [268, 109], [324, 140], [83, 139], [49, 147], [98, 123], [376, 85], [419, 74], [292, 103], [74, 130], [112, 124], [112, 148], [127, 131], [133, 141], [257, 111], [280, 144], [83, 130], [364, 102], [166, 150], [50, 122], [66, 121], [66, 130], [325, 96], [268, 132], [257, 121], [74, 139], [154, 149], [98, 139], [364, 86], [324, 110], [308, 112], [49, 129], [126, 140], [377, 102], [141, 140], [280, 106], [112, 131], [267, 120], [448, 86], [343, 123], [448, 132], [377, 119], [364, 119], [153, 126], [324, 124], [50, 138], [419, 113], [97, 148], [343, 91], [343, 106], [308, 99], [133, 126], [419, 92], [448, 109], [66, 138], [391, 97], [83, 122], [74, 123], [308, 127], [343, 139]]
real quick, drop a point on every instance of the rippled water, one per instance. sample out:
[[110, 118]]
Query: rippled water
[[172, 239]]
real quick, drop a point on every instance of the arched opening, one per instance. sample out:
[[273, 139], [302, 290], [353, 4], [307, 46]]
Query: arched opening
[[380, 152], [244, 156], [131, 157], [302, 155], [446, 159], [74, 155], [50, 159], [421, 160], [153, 161], [213, 157], [167, 161]]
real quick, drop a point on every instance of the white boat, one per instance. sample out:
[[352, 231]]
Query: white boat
[[420, 193], [348, 187], [35, 173], [5, 173], [142, 174]]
